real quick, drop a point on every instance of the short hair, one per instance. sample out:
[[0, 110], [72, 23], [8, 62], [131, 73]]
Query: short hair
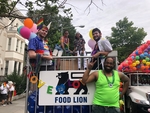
[[96, 29], [111, 58]]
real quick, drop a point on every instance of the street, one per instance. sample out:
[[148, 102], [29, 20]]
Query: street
[[17, 106]]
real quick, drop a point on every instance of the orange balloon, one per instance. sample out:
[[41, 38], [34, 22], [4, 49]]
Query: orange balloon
[[134, 68], [142, 67], [28, 23]]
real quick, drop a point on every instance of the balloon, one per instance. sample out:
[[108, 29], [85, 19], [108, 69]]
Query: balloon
[[25, 32], [28, 23], [34, 28], [90, 34], [137, 62], [91, 43], [32, 35], [145, 54], [137, 57], [142, 67], [133, 64], [142, 56], [134, 68], [19, 28], [143, 61], [125, 64], [147, 59]]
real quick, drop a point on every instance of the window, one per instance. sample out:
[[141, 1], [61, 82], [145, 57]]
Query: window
[[9, 44], [19, 67], [17, 45], [6, 67], [21, 47], [15, 66]]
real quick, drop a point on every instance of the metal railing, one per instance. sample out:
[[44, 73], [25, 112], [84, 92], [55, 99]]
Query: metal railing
[[66, 63]]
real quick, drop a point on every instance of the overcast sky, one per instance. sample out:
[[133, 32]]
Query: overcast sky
[[137, 11]]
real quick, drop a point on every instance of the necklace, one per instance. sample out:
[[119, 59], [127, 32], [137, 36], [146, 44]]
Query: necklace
[[110, 84]]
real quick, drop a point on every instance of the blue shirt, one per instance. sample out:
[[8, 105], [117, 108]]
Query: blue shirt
[[36, 44]]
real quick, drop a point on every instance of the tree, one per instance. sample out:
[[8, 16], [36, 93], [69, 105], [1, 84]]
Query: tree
[[18, 80], [58, 22], [125, 38]]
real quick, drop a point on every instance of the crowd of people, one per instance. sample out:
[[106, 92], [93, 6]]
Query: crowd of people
[[6, 92], [107, 80]]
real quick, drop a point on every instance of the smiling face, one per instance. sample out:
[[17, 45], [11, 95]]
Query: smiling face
[[42, 33], [96, 35], [109, 65]]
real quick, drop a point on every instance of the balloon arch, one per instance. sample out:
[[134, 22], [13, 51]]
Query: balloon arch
[[138, 61]]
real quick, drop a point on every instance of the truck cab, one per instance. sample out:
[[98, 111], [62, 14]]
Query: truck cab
[[137, 98]]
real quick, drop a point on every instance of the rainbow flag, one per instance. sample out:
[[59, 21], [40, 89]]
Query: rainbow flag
[[40, 24]]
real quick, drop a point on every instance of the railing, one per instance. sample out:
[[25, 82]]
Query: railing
[[66, 63]]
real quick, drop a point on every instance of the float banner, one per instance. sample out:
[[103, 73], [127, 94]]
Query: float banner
[[64, 88]]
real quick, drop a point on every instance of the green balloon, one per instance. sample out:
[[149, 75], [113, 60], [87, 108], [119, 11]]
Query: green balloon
[[19, 28], [137, 57]]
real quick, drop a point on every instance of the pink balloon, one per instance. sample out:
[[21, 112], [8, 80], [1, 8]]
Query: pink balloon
[[34, 28], [91, 43], [25, 32]]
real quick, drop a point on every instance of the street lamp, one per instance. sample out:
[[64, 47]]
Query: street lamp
[[81, 26]]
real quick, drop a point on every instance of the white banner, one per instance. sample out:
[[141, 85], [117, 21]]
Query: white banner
[[64, 88]]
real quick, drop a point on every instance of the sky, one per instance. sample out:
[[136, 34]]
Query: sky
[[108, 13]]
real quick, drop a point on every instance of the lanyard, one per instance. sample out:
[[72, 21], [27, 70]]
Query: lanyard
[[110, 84]]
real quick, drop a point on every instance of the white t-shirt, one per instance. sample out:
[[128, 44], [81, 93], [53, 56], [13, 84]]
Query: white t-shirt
[[12, 88], [4, 89], [104, 46]]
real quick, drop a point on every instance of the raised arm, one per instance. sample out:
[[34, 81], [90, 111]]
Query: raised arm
[[87, 77]]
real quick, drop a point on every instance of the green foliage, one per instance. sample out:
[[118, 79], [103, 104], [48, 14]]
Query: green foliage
[[19, 80], [58, 22], [125, 38], [7, 8]]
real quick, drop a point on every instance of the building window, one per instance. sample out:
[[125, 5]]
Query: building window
[[15, 66], [21, 47], [6, 67], [17, 45], [19, 67], [9, 43]]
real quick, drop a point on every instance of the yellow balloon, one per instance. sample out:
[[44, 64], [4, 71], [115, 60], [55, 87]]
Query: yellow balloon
[[90, 34], [137, 62], [143, 61], [133, 64]]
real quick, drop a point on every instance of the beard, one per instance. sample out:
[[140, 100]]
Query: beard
[[96, 39], [108, 70], [41, 36]]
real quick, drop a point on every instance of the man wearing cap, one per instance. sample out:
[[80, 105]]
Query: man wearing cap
[[38, 47]]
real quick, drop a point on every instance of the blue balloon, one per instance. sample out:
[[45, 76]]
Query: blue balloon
[[145, 54], [142, 56], [32, 35]]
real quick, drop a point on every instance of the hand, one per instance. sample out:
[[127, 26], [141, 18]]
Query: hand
[[91, 64], [96, 55]]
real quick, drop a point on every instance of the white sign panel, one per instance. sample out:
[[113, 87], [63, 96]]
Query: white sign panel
[[65, 88]]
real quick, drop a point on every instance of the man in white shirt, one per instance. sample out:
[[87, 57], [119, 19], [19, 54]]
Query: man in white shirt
[[101, 50]]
